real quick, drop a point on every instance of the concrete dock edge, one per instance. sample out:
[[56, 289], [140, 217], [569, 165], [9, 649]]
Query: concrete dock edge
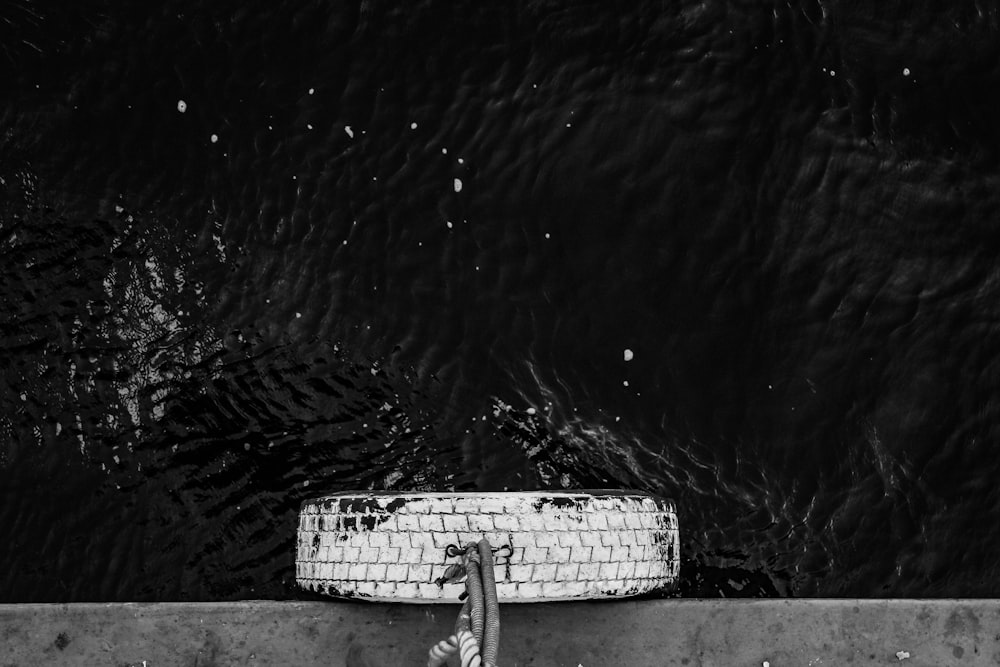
[[592, 634]]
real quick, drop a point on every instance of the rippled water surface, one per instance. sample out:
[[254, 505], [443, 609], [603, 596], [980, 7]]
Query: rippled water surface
[[251, 256]]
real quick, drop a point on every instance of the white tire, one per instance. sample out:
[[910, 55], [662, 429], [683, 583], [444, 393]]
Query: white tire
[[548, 545]]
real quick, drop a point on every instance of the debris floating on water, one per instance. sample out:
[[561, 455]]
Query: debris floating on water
[[312, 90], [902, 655], [182, 106], [413, 126], [458, 185], [906, 71], [628, 354], [350, 132], [214, 138], [530, 411]]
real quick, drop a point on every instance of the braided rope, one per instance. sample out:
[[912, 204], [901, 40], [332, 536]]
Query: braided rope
[[474, 586], [491, 643], [479, 618], [468, 647]]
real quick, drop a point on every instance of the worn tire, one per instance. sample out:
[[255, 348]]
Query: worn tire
[[548, 545]]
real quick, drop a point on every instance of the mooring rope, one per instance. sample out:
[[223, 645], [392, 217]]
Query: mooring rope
[[478, 623], [491, 645]]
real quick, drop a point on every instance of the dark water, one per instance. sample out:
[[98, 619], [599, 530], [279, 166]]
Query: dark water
[[790, 215]]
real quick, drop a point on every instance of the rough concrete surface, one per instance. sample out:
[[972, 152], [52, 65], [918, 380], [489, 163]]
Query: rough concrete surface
[[592, 634]]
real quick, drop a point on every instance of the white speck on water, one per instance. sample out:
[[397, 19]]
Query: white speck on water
[[458, 185], [902, 655], [309, 126], [118, 209], [765, 664], [833, 72], [295, 178], [350, 132], [906, 71], [444, 151], [625, 383], [214, 138], [413, 126], [770, 386], [534, 85], [461, 161], [219, 245], [618, 419], [629, 355], [269, 127], [312, 90], [569, 125], [182, 106], [305, 483], [547, 235], [298, 315], [530, 411], [449, 224]]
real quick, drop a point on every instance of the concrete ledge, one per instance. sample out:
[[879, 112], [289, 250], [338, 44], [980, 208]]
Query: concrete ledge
[[727, 633]]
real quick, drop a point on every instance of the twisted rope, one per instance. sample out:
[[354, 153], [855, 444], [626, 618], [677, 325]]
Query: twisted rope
[[478, 622], [491, 644]]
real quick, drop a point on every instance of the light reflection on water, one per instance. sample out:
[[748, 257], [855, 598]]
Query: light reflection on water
[[209, 316]]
